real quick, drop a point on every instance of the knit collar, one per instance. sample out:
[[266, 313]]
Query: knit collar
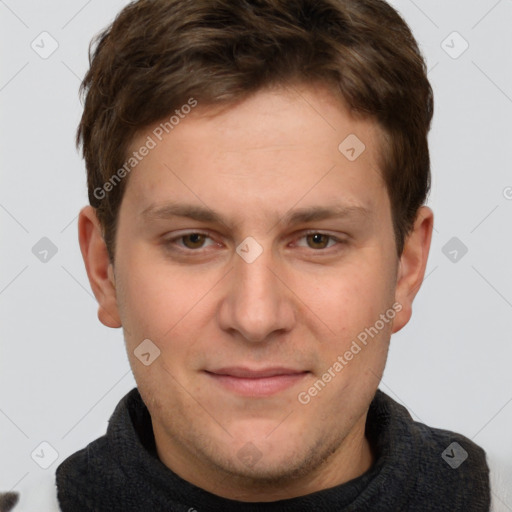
[[121, 471]]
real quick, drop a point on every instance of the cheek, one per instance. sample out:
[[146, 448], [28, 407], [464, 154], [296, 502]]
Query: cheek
[[151, 301], [169, 306], [352, 305], [355, 296]]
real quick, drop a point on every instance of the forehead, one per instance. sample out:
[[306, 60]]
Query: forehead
[[291, 144]]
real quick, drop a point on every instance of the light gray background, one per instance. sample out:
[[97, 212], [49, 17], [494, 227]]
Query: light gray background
[[62, 372]]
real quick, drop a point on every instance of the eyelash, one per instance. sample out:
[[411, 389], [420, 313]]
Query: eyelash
[[171, 243]]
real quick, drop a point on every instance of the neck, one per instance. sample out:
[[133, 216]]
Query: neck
[[352, 458]]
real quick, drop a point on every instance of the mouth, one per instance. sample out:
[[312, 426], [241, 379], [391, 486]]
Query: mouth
[[256, 383]]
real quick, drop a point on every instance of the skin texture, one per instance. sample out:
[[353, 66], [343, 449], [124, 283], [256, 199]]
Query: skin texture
[[300, 304]]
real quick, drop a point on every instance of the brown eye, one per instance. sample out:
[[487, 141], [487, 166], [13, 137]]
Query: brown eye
[[318, 240], [196, 240]]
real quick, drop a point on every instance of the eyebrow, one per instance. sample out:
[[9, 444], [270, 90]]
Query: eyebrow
[[297, 216]]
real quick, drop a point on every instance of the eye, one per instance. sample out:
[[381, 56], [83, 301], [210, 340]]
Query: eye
[[195, 241], [317, 240], [192, 240]]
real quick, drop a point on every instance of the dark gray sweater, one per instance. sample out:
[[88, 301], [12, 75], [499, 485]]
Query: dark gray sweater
[[417, 468]]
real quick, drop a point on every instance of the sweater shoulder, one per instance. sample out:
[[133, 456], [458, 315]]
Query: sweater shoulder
[[457, 463], [454, 449]]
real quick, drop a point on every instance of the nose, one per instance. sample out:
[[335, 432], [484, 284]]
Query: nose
[[257, 303]]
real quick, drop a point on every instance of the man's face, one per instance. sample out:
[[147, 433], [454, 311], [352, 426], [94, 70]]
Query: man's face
[[249, 311]]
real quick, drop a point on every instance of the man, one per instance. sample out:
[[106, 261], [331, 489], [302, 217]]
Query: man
[[257, 174]]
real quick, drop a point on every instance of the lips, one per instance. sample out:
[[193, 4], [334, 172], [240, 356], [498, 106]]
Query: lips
[[246, 373], [256, 382]]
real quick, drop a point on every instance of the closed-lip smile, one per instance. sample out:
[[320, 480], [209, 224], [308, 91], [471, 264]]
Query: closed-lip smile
[[256, 382]]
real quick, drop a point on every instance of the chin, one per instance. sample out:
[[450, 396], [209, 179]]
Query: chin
[[266, 470]]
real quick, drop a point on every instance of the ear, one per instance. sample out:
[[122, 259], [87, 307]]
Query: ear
[[99, 269], [411, 268]]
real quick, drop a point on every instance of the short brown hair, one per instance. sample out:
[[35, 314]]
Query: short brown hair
[[157, 54]]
